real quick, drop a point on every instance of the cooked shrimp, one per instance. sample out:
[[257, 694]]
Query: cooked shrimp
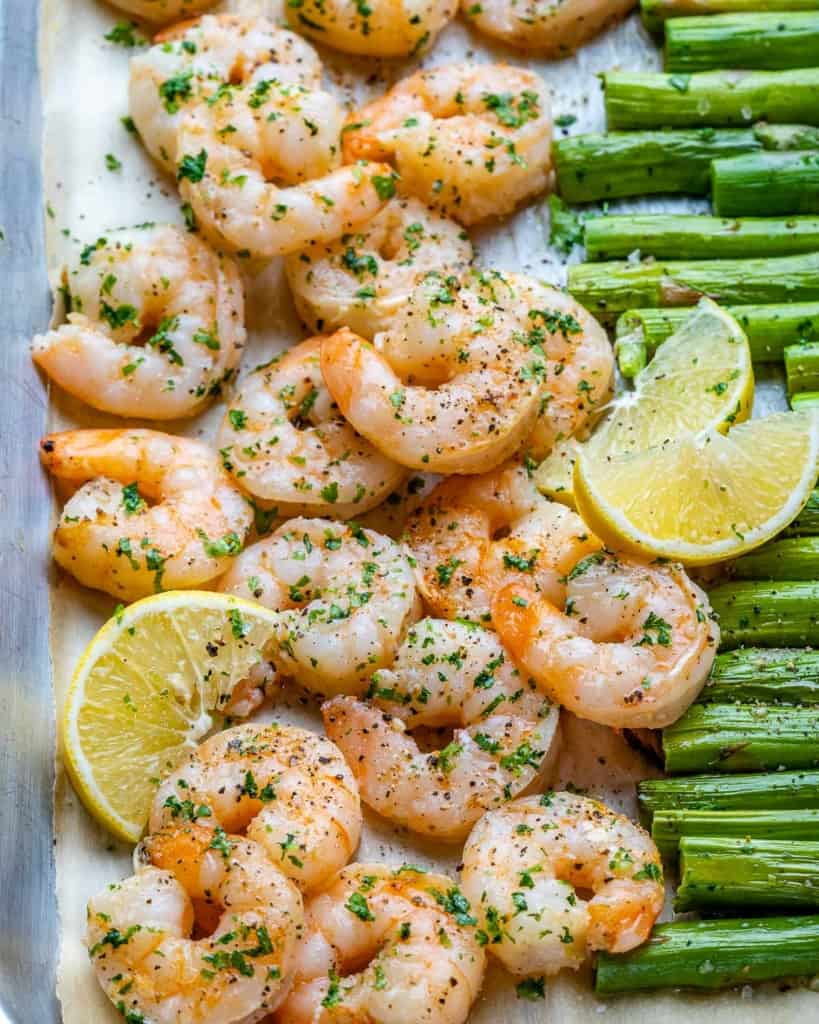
[[284, 440], [192, 61], [346, 598], [288, 789], [447, 389], [258, 165], [154, 512], [631, 649], [159, 11], [385, 28], [575, 357], [446, 674], [386, 946], [461, 563], [390, 517], [155, 324], [364, 279], [471, 140], [548, 28], [139, 931], [523, 863]]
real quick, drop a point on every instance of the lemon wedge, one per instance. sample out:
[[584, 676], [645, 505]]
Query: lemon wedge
[[703, 497], [701, 378], [142, 693], [553, 477]]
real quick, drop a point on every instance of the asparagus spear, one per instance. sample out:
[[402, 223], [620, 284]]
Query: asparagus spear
[[767, 614], [611, 288], [806, 523], [742, 738], [605, 166], [687, 236], [768, 675], [670, 827], [718, 873], [718, 98], [656, 12], [805, 400], [787, 136], [761, 39], [802, 367], [768, 328], [793, 558], [714, 954], [758, 791], [778, 183]]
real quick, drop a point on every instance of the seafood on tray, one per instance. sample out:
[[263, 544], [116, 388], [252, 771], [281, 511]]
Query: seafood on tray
[[430, 685]]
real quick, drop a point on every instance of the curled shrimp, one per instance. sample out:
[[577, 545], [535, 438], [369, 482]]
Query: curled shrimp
[[472, 535], [388, 946], [386, 28], [284, 441], [446, 674], [574, 358], [471, 140], [139, 931], [364, 279], [192, 61], [345, 595], [548, 28], [155, 324], [287, 789], [258, 165], [631, 648], [446, 389], [524, 863], [154, 512]]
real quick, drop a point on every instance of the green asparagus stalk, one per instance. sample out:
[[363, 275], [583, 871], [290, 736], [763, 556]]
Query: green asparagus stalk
[[787, 136], [806, 523], [718, 873], [686, 236], [742, 738], [656, 12], [778, 183], [608, 289], [771, 41], [758, 791], [630, 351], [767, 614], [803, 400], [802, 367], [769, 330], [605, 166], [669, 828], [639, 100], [793, 558], [714, 954], [767, 675]]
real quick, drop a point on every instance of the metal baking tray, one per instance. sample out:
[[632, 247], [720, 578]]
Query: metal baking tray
[[28, 906]]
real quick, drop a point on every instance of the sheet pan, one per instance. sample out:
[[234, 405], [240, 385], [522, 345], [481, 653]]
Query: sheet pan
[[47, 619], [28, 910]]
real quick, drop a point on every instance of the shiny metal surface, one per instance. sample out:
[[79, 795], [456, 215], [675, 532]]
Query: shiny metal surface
[[28, 909]]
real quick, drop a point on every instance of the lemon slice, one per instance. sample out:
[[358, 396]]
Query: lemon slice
[[705, 497], [701, 378], [143, 691], [553, 477]]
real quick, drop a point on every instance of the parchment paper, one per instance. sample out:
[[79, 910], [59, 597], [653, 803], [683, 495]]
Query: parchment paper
[[84, 81]]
